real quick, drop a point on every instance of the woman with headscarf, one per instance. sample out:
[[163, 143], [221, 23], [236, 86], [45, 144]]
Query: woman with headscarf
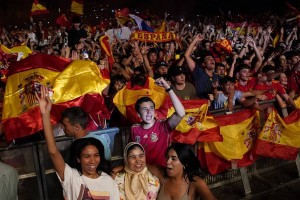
[[136, 182]]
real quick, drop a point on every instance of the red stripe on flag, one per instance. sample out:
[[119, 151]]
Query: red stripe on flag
[[292, 117], [39, 60], [209, 135], [273, 150], [235, 118], [213, 163]]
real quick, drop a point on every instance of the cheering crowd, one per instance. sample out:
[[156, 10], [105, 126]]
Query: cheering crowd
[[226, 61]]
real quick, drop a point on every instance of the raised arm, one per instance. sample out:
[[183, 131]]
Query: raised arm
[[190, 62], [55, 155], [176, 117]]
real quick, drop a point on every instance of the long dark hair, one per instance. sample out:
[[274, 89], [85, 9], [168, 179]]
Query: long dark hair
[[76, 149], [188, 159]]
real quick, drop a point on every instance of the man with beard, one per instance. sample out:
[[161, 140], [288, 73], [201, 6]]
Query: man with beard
[[153, 134]]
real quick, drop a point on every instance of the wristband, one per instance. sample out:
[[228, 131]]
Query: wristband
[[169, 89]]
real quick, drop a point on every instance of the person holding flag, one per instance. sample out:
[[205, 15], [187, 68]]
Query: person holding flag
[[152, 134]]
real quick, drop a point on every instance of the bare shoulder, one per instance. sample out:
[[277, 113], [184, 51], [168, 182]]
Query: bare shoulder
[[201, 188]]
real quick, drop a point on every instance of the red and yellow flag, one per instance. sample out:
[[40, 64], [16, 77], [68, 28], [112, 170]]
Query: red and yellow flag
[[106, 48], [77, 7], [22, 50], [125, 99], [196, 125], [38, 9], [63, 21], [297, 102], [239, 131], [71, 83], [122, 16], [279, 137], [161, 28]]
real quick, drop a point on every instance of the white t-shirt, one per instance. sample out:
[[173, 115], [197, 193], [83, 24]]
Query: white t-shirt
[[78, 187]]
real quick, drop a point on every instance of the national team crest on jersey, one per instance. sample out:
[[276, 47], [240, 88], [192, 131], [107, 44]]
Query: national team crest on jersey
[[153, 137]]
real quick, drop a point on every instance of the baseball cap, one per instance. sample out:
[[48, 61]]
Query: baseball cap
[[162, 63], [177, 70]]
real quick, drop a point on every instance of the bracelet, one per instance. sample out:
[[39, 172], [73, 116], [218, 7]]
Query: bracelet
[[169, 89]]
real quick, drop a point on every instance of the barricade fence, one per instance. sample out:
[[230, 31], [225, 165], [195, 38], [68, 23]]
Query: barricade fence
[[38, 179]]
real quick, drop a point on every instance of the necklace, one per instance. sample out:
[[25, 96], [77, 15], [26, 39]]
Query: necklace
[[182, 191]]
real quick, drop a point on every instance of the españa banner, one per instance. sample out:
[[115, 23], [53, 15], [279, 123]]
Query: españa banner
[[145, 36], [125, 98], [279, 137], [71, 83], [239, 131], [195, 126]]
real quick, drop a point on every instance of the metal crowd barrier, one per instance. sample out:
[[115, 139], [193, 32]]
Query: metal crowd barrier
[[38, 179]]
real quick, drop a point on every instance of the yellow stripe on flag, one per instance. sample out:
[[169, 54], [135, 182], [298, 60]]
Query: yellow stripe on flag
[[84, 74], [77, 8], [277, 131], [19, 94], [37, 7], [237, 138], [21, 49], [126, 97], [297, 102], [5, 49]]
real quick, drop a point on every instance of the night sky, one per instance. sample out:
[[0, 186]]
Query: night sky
[[15, 12]]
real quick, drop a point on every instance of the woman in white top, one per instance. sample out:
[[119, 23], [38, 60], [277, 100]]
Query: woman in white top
[[88, 177]]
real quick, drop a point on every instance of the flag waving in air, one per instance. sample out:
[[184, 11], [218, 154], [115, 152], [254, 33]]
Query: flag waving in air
[[279, 137], [141, 23], [77, 7], [38, 9], [71, 83]]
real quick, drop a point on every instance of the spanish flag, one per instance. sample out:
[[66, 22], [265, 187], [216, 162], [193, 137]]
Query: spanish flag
[[38, 9], [196, 125], [22, 50], [71, 83], [125, 98], [106, 48], [77, 7], [297, 102], [279, 137], [239, 131], [122, 16]]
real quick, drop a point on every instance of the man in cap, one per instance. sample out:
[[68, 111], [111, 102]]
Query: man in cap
[[181, 87], [161, 70]]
